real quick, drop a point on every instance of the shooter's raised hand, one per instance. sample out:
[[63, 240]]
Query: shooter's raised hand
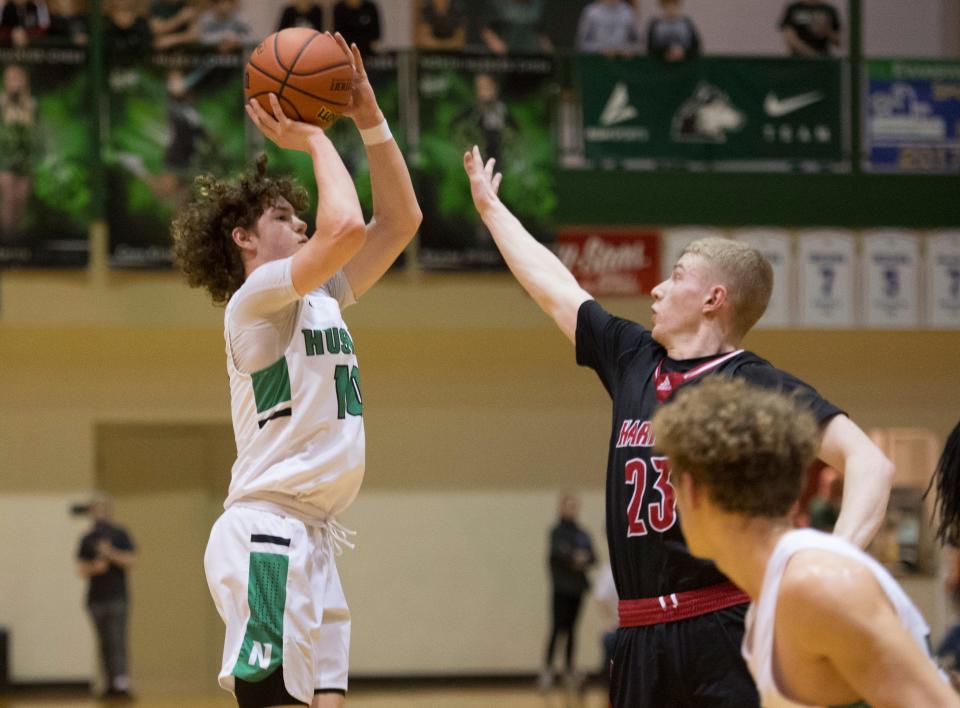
[[363, 108], [285, 132]]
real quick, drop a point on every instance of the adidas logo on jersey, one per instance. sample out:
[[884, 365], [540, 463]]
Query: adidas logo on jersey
[[665, 385]]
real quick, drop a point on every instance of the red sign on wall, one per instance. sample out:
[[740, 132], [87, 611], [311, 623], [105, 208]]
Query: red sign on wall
[[609, 260]]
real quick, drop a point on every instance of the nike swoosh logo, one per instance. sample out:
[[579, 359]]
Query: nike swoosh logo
[[777, 108]]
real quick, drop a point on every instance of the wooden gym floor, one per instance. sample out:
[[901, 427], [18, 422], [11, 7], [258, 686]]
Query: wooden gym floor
[[593, 697]]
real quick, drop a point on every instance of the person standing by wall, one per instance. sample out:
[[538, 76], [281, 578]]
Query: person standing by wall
[[571, 553], [105, 554]]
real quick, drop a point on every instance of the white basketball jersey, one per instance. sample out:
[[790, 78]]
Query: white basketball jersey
[[298, 422], [758, 638]]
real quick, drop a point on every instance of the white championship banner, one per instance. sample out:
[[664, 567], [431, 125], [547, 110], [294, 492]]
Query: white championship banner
[[891, 279], [777, 247], [942, 275], [826, 261], [675, 240]]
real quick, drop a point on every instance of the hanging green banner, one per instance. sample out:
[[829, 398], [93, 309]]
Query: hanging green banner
[[504, 105], [713, 109], [172, 116], [47, 155]]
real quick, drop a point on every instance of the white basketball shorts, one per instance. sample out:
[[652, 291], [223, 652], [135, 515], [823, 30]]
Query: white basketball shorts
[[275, 584]]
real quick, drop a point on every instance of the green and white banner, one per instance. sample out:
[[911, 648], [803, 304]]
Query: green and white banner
[[47, 156], [712, 109]]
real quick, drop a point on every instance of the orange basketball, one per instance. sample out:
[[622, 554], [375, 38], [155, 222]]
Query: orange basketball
[[307, 70]]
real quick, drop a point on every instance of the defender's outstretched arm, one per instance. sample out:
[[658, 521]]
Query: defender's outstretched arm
[[538, 270]]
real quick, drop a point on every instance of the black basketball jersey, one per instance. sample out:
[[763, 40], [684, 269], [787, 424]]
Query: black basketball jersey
[[648, 552]]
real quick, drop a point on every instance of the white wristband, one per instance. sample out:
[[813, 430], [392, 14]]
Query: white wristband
[[376, 135]]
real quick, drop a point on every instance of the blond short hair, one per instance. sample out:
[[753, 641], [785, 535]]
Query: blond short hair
[[748, 275], [750, 447]]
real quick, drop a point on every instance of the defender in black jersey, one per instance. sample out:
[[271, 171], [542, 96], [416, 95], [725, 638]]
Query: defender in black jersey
[[681, 620]]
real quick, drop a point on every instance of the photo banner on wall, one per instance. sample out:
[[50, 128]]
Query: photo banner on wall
[[891, 269], [777, 247], [912, 121], [382, 71], [504, 105], [47, 157], [826, 262], [942, 273], [713, 109], [609, 261], [172, 116]]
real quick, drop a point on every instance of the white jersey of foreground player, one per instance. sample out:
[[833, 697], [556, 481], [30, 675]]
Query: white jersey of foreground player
[[294, 395], [758, 637]]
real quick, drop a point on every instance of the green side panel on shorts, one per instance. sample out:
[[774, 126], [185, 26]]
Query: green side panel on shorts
[[262, 649], [858, 704], [271, 385]]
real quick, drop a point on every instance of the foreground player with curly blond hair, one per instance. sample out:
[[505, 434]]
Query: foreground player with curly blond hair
[[828, 625], [295, 393]]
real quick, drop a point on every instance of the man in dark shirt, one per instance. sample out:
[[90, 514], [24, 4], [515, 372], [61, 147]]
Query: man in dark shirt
[[359, 22], [811, 28], [571, 553], [104, 555], [681, 620]]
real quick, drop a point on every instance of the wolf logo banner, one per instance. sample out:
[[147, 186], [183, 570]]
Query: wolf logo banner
[[759, 110]]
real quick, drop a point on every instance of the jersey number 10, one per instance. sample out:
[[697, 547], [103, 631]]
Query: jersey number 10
[[349, 400]]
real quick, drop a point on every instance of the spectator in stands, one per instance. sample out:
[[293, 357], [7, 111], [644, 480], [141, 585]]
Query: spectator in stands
[[358, 21], [673, 37], [608, 27], [810, 28], [442, 25], [126, 32], [301, 13], [516, 27], [68, 22], [222, 27], [174, 22], [22, 21]]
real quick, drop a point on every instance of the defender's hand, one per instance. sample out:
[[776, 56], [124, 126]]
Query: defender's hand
[[484, 183], [286, 133], [363, 108]]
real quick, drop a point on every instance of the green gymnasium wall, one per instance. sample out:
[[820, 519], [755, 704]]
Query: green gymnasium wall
[[740, 199]]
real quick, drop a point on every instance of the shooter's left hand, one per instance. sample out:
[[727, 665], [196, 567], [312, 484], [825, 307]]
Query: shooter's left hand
[[363, 108]]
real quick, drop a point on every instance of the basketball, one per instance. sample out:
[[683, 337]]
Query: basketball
[[308, 71]]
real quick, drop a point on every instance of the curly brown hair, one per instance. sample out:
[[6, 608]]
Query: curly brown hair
[[749, 446], [202, 231]]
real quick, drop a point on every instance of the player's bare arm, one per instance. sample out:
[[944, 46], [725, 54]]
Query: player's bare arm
[[867, 478], [538, 270], [834, 611], [396, 214], [340, 230]]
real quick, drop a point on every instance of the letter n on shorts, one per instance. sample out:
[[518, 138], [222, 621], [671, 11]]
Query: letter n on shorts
[[262, 649]]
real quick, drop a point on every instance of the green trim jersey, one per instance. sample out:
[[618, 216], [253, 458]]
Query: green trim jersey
[[758, 639], [295, 394]]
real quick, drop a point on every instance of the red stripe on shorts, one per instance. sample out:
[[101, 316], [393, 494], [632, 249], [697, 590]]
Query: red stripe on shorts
[[680, 605]]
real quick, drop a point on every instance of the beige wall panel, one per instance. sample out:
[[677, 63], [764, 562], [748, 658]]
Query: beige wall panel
[[42, 599]]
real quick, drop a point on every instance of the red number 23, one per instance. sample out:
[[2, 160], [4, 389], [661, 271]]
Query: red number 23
[[660, 514]]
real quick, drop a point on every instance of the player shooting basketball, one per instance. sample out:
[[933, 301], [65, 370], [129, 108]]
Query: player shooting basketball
[[295, 393], [828, 625], [681, 620]]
